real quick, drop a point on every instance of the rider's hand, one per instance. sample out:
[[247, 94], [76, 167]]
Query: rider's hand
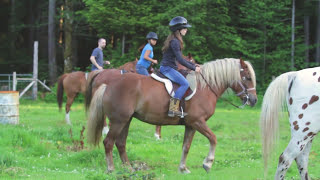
[[197, 65], [107, 62], [198, 69], [155, 61], [100, 68]]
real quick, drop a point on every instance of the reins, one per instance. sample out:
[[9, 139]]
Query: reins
[[214, 92]]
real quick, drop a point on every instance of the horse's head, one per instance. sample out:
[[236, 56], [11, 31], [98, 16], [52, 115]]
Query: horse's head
[[245, 88], [188, 58]]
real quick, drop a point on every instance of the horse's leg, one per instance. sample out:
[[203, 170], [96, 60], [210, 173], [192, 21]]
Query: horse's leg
[[115, 130], [294, 149], [105, 129], [121, 141], [188, 136], [302, 161], [70, 99], [203, 128], [157, 134]]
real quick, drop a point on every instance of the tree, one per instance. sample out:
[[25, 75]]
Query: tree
[[68, 30], [52, 67]]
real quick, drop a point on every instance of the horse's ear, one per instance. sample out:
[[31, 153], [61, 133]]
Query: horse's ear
[[189, 55], [242, 63]]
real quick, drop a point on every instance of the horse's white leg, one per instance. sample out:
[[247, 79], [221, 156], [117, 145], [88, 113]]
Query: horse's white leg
[[302, 161], [105, 129], [68, 118], [286, 158], [188, 136], [157, 134]]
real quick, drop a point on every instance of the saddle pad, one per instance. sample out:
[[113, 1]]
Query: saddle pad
[[191, 78]]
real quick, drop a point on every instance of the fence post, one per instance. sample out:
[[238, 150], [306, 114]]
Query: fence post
[[35, 71], [14, 81]]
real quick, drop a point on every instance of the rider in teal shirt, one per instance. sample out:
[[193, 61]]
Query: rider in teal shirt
[[147, 55]]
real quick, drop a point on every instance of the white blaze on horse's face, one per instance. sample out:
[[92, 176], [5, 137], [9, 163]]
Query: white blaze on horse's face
[[244, 88]]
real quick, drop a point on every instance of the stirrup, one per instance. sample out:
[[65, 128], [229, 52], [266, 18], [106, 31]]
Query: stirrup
[[183, 114]]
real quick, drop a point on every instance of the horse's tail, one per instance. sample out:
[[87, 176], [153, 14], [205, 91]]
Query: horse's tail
[[88, 93], [60, 90], [274, 102], [96, 116]]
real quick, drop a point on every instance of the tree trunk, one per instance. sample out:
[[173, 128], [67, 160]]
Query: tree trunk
[[306, 38], [52, 66], [11, 30], [318, 34], [68, 37], [292, 35], [30, 28], [123, 43]]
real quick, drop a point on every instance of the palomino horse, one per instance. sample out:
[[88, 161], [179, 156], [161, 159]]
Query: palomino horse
[[146, 99], [299, 91], [75, 83]]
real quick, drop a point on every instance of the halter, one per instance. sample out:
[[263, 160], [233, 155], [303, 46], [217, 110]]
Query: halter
[[244, 91]]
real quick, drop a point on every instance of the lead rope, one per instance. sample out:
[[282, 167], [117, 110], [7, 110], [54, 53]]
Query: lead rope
[[240, 107]]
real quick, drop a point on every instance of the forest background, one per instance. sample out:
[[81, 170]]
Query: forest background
[[276, 36]]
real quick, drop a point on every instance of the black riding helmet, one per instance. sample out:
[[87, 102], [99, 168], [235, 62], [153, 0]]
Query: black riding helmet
[[152, 35], [178, 23]]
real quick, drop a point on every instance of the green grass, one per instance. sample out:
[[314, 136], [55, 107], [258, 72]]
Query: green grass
[[41, 147]]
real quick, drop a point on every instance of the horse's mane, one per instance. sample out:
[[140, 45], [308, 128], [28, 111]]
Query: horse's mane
[[223, 72]]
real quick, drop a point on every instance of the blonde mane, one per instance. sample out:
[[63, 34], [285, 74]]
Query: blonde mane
[[223, 72]]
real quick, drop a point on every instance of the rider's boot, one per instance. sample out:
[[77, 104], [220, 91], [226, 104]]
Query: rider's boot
[[174, 108]]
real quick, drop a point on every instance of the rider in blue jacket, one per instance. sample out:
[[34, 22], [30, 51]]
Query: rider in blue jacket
[[172, 52], [146, 57]]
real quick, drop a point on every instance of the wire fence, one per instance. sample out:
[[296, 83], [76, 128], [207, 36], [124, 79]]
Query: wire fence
[[6, 83]]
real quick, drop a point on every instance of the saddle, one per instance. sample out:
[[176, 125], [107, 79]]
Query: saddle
[[171, 87]]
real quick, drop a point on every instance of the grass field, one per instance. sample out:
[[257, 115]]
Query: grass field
[[42, 146]]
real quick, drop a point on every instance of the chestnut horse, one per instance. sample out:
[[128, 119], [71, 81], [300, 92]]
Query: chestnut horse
[[75, 83], [142, 97], [103, 78]]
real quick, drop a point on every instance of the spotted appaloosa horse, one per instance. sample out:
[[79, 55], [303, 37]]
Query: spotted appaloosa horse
[[300, 91], [142, 97]]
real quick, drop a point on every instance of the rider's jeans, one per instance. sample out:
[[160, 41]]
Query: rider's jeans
[[176, 77], [141, 70]]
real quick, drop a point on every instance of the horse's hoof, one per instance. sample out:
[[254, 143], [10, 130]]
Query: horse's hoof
[[108, 171], [184, 171], [207, 168], [157, 136]]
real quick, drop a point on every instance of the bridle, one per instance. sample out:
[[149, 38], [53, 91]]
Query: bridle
[[244, 91]]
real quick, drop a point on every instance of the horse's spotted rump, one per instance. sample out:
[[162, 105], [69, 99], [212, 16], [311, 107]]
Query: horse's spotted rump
[[295, 123], [290, 100], [308, 123], [305, 106], [300, 116], [305, 129], [314, 73], [310, 133], [296, 127], [313, 99]]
